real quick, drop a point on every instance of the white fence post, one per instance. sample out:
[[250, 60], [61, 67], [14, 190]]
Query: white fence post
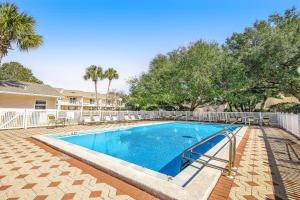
[[25, 118], [260, 118], [56, 114], [298, 124]]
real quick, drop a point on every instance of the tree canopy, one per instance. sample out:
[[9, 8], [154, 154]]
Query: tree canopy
[[268, 55], [260, 62], [182, 78], [17, 72]]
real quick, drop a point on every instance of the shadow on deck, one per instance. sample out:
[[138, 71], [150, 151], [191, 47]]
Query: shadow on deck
[[283, 152]]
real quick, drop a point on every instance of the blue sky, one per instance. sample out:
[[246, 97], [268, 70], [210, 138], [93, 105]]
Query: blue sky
[[127, 34]]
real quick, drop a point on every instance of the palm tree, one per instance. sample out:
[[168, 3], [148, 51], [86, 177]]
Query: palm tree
[[110, 74], [16, 28], [95, 74]]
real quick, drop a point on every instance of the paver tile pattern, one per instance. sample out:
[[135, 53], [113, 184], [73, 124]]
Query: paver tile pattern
[[253, 179], [268, 167], [283, 151], [28, 171]]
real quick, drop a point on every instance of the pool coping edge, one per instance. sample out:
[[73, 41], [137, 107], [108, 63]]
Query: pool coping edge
[[154, 185]]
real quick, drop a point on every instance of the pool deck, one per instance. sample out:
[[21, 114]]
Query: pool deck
[[268, 168], [268, 165]]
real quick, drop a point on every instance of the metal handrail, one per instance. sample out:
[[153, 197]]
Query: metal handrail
[[232, 151], [190, 150], [234, 142]]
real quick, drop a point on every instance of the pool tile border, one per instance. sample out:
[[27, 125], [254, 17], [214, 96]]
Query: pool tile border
[[110, 165], [103, 130]]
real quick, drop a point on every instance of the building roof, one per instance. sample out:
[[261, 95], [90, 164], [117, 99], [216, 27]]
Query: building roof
[[25, 88], [78, 93], [274, 101]]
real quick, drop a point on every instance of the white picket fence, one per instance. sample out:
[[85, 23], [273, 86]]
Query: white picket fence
[[25, 118], [289, 122]]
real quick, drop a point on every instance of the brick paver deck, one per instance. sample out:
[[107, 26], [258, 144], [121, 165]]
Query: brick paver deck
[[267, 160], [31, 170], [284, 161], [268, 168]]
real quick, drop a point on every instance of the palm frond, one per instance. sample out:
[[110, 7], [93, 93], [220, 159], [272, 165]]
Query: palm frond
[[111, 74], [94, 73], [17, 27]]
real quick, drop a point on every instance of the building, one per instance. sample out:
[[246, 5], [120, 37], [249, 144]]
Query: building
[[16, 94], [275, 101], [80, 100]]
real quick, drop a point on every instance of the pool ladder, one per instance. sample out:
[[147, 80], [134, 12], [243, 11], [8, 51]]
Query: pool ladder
[[186, 156]]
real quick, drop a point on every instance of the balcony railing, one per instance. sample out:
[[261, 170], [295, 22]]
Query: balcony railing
[[65, 102], [79, 103], [104, 105]]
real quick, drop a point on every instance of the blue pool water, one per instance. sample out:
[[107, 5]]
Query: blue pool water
[[157, 147]]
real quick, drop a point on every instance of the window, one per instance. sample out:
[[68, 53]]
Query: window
[[92, 101], [72, 100], [40, 104]]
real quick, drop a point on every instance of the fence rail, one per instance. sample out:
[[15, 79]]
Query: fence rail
[[24, 118]]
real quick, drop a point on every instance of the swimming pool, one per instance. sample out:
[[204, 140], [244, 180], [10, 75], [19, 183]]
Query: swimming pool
[[157, 147]]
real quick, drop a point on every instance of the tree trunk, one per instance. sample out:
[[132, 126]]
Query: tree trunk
[[230, 107], [262, 105], [108, 87], [249, 107], [1, 56], [96, 93], [193, 106], [242, 108], [297, 95], [237, 108]]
